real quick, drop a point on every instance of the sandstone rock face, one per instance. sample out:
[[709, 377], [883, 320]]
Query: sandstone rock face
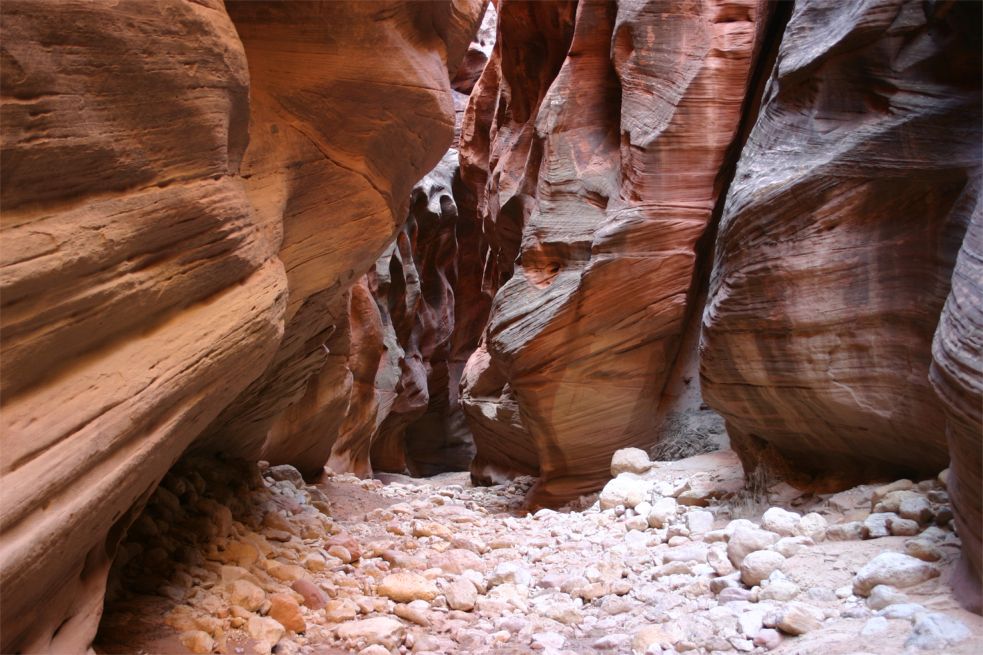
[[344, 129], [955, 373], [186, 199], [593, 141], [837, 243]]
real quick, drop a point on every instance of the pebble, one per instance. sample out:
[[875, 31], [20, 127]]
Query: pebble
[[768, 638], [781, 521], [246, 595], [746, 540], [699, 521], [406, 586], [380, 630], [497, 579], [799, 618], [265, 629], [895, 569], [197, 641], [627, 489], [924, 549], [935, 630], [850, 531], [461, 594], [510, 572], [631, 460], [286, 611], [883, 595], [663, 511], [758, 565]]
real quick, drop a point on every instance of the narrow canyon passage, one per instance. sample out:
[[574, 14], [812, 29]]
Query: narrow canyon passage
[[491, 326], [671, 557]]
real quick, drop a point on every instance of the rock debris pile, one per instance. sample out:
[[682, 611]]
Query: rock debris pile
[[671, 557]]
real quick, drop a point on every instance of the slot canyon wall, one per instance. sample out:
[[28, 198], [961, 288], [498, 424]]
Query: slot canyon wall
[[836, 249], [219, 235], [595, 141], [600, 142], [189, 191]]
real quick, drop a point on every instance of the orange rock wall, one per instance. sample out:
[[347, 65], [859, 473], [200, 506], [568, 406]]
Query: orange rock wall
[[188, 191]]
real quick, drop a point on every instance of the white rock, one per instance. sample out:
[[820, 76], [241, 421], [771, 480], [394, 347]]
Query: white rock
[[789, 546], [746, 540], [631, 460], [197, 641], [813, 525], [916, 508], [380, 630], [663, 511], [878, 525], [895, 569], [758, 565], [751, 621], [374, 649], [874, 627], [510, 572], [904, 527], [851, 531], [883, 595], [627, 489], [461, 595], [768, 638], [699, 521], [781, 521], [903, 611], [780, 590], [695, 551], [936, 630], [717, 558], [549, 640]]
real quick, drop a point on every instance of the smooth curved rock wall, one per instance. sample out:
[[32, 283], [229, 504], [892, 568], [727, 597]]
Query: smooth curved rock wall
[[957, 375], [186, 199], [836, 247], [594, 140]]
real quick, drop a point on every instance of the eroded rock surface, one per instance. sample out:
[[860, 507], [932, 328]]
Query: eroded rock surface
[[186, 199], [956, 375], [440, 566], [837, 243], [593, 139]]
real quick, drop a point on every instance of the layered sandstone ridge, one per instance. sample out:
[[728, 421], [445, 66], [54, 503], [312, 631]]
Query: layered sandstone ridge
[[594, 140], [837, 243], [187, 197], [956, 375], [835, 254]]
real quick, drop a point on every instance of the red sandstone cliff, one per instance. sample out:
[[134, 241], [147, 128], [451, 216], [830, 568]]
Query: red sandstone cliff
[[836, 247], [188, 191], [594, 140]]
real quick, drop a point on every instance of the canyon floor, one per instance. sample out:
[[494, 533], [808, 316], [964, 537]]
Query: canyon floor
[[228, 558]]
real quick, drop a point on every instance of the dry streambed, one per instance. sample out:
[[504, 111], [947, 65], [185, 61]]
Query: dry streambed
[[671, 557]]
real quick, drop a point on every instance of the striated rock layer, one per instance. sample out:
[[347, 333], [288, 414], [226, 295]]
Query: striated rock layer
[[957, 375], [836, 247], [183, 210], [593, 141]]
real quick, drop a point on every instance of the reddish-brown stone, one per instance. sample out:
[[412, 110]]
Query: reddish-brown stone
[[594, 140], [837, 243]]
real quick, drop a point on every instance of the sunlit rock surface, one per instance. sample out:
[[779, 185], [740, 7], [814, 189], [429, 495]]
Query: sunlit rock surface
[[189, 189]]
